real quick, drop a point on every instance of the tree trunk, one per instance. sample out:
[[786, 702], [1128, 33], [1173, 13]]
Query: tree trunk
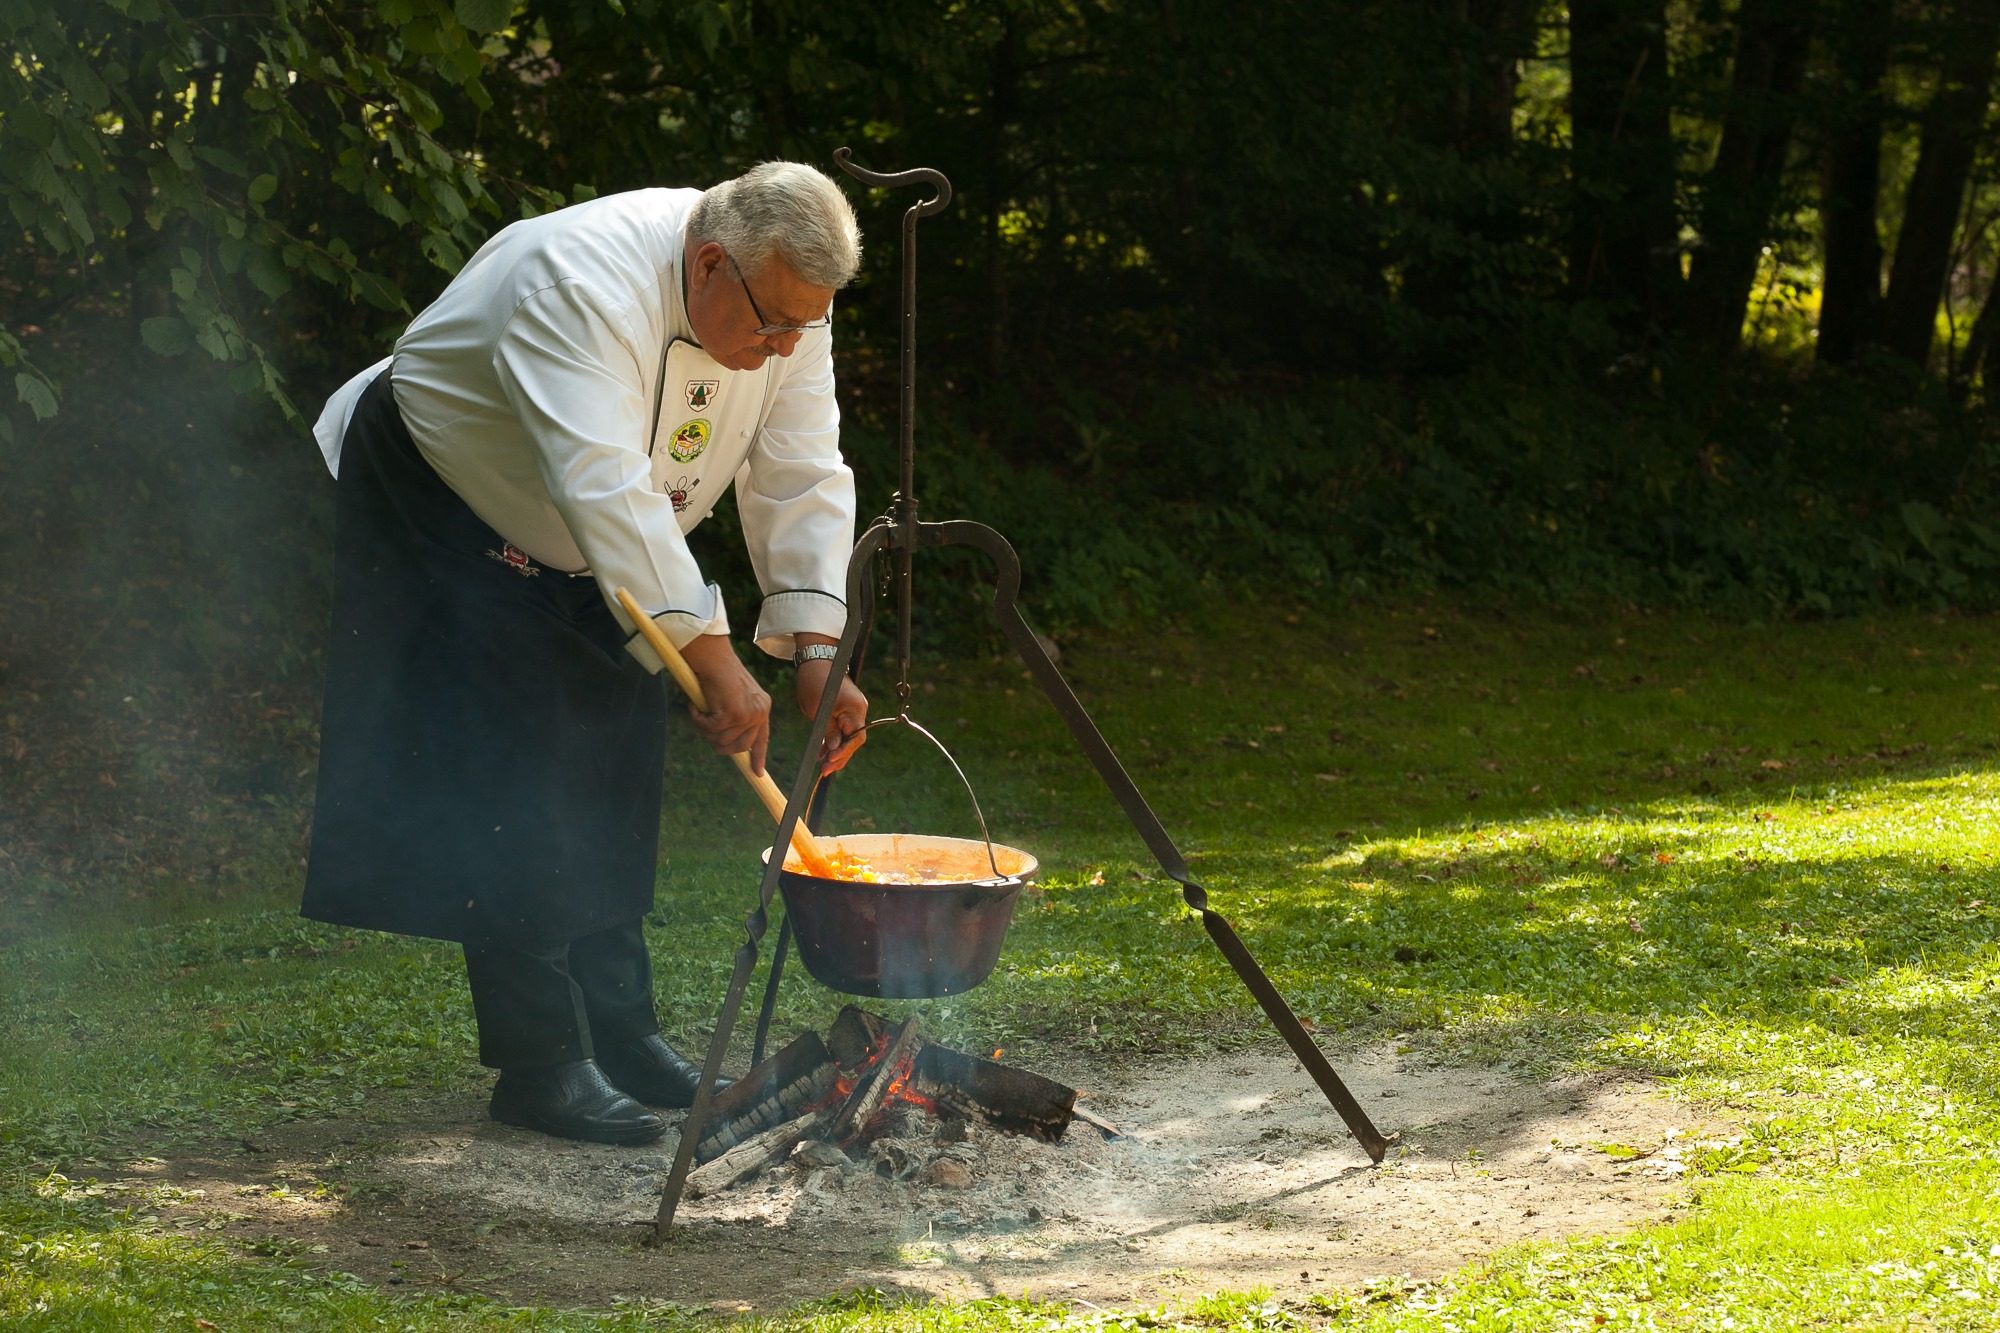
[[1001, 107], [1953, 123], [1507, 31], [1742, 185], [1981, 360], [1466, 114], [1623, 229], [1481, 44], [1851, 289]]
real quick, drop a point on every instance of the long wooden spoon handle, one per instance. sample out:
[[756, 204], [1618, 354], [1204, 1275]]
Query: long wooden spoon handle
[[803, 841]]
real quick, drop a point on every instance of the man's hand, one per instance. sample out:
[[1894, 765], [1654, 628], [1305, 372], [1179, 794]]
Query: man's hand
[[849, 727], [739, 712]]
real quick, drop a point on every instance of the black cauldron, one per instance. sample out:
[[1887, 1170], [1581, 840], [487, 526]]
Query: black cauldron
[[906, 941]]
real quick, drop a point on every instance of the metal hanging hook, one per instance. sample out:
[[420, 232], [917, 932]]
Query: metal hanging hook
[[895, 180], [903, 514]]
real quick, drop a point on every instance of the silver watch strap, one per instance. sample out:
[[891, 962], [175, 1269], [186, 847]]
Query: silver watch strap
[[814, 652]]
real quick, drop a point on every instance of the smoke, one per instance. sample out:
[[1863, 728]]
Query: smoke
[[164, 569]]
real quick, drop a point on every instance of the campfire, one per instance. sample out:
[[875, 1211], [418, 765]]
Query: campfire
[[867, 1092]]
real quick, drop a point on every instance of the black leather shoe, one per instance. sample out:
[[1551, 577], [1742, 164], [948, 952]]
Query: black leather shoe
[[654, 1072], [572, 1101]]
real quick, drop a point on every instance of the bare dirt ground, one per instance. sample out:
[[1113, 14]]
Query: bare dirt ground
[[1232, 1174]]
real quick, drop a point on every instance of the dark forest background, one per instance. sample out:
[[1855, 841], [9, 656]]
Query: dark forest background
[[1685, 302]]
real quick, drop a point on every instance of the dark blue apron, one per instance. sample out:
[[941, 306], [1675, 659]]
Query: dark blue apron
[[490, 756]]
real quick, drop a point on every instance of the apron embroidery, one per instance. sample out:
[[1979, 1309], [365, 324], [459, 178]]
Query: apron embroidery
[[700, 393], [516, 559], [678, 492], [689, 440]]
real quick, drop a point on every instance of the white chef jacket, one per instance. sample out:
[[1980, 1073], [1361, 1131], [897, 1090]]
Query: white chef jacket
[[557, 388]]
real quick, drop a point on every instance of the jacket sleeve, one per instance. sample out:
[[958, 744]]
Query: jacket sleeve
[[571, 373], [796, 499]]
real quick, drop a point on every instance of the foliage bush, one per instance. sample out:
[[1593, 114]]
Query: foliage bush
[[1228, 294]]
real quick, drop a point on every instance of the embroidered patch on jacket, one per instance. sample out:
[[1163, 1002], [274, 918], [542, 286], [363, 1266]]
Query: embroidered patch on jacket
[[515, 559], [700, 393], [689, 440], [678, 493]]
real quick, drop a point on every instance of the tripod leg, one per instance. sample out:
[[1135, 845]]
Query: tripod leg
[[1015, 626], [771, 989], [697, 1116]]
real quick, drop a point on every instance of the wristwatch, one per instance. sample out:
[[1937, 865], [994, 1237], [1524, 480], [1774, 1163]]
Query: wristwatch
[[814, 652]]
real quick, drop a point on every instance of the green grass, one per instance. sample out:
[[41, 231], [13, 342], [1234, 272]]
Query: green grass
[[1755, 861]]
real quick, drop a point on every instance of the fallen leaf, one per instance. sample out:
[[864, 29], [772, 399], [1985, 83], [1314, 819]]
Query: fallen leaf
[[1623, 1151], [1774, 764]]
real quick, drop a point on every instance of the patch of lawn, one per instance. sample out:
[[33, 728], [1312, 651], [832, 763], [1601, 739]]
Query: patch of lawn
[[1755, 862]]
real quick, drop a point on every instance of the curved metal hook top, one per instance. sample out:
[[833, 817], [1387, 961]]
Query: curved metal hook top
[[844, 159]]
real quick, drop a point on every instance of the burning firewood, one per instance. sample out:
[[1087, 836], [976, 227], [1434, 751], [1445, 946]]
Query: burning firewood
[[754, 1154], [863, 1069], [886, 1075]]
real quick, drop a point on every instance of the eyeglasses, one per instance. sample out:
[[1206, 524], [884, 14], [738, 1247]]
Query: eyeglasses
[[766, 329]]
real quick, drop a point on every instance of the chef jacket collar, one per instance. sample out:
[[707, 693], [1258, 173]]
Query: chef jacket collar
[[678, 324]]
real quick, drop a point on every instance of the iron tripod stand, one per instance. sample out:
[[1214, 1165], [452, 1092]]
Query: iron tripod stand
[[901, 534]]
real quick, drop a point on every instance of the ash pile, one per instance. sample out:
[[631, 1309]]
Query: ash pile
[[872, 1106]]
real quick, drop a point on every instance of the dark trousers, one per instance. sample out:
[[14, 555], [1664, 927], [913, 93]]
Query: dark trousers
[[546, 1006]]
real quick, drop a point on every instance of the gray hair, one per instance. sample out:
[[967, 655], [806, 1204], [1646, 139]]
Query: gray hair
[[786, 210]]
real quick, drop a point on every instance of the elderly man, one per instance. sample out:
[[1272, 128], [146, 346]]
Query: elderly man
[[578, 399]]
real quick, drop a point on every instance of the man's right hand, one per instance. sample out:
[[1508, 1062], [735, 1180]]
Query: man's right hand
[[739, 712]]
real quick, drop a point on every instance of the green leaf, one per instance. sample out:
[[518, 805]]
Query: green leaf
[[84, 85], [222, 159], [443, 252], [262, 188], [448, 200], [378, 291], [36, 393], [166, 335], [213, 339], [112, 203], [484, 15], [269, 273], [423, 108]]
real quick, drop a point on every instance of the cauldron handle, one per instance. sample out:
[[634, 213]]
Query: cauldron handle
[[905, 720]]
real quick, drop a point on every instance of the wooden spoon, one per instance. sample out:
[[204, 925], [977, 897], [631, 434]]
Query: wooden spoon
[[803, 841]]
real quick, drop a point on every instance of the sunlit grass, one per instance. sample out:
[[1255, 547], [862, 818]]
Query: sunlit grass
[[1755, 863]]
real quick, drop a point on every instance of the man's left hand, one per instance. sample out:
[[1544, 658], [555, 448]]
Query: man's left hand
[[849, 727]]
